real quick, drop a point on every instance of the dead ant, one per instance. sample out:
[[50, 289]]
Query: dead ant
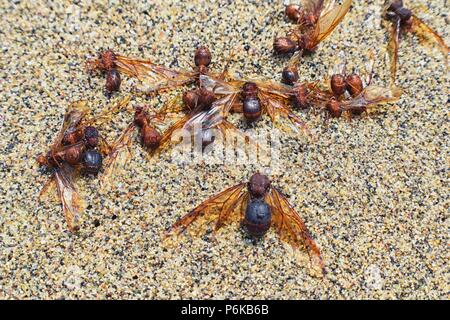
[[258, 206]]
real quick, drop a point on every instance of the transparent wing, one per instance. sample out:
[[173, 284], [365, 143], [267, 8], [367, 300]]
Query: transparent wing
[[224, 207], [214, 115], [326, 7], [291, 228], [373, 96], [428, 34], [167, 138], [74, 115], [369, 67], [152, 77], [277, 107], [119, 155], [393, 46], [313, 6], [316, 97], [71, 202], [329, 19], [273, 88], [218, 86], [340, 64], [48, 191], [175, 105], [108, 112]]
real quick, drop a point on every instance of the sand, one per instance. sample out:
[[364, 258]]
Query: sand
[[372, 191]]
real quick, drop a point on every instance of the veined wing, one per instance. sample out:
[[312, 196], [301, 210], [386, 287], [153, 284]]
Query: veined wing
[[71, 202], [373, 96], [275, 107], [329, 19], [74, 115], [425, 32], [224, 207], [220, 87], [393, 46], [119, 155], [213, 116], [291, 228], [152, 77], [312, 6], [273, 88]]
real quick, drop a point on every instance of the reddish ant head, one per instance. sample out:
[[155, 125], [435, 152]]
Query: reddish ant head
[[91, 136], [334, 108], [73, 154], [338, 84], [290, 75], [249, 89], [202, 57], [113, 80], [42, 160], [198, 97], [150, 137], [48, 159], [107, 59], [72, 137], [140, 116], [354, 84], [300, 97], [258, 185], [284, 45], [292, 11]]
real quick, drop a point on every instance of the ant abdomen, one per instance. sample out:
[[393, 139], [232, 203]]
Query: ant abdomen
[[338, 84], [150, 137], [113, 80], [334, 108], [92, 161], [258, 217], [290, 75], [284, 45], [354, 84]]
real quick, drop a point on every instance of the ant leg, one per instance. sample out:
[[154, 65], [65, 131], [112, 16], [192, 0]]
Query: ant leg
[[327, 119], [224, 73]]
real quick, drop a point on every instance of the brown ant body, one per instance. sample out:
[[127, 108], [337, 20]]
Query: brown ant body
[[152, 78], [314, 23], [404, 20], [77, 147]]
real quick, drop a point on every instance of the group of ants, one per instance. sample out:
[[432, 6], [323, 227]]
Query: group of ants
[[256, 204]]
